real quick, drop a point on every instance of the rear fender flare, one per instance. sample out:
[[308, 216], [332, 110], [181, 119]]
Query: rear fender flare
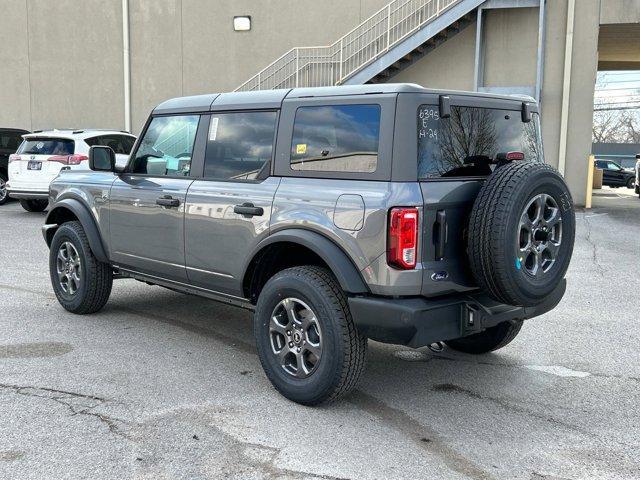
[[336, 259], [88, 223]]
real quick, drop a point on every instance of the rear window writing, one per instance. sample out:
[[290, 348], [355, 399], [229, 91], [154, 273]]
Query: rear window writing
[[47, 146], [465, 144]]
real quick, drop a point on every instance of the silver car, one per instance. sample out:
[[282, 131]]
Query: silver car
[[340, 214]]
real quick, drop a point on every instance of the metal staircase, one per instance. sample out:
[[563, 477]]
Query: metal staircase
[[381, 46]]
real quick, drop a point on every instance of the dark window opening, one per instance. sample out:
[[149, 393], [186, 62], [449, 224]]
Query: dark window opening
[[337, 138], [239, 145], [467, 143], [47, 146]]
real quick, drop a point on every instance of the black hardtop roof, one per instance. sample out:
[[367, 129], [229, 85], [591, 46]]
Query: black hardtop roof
[[263, 99]]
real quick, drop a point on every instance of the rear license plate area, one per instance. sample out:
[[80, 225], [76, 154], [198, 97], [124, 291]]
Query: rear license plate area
[[34, 165]]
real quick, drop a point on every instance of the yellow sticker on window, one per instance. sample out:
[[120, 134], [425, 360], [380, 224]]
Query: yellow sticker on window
[[301, 148]]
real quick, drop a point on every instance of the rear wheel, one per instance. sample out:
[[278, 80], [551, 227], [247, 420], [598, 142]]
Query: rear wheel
[[307, 341], [34, 205], [3, 189], [491, 339], [81, 283]]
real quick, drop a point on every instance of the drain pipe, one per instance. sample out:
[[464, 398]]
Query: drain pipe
[[126, 62], [566, 86]]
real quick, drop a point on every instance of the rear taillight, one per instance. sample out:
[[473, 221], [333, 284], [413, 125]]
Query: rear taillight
[[403, 238], [14, 158], [68, 159]]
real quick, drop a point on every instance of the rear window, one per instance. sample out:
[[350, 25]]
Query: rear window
[[336, 138], [464, 144], [47, 146]]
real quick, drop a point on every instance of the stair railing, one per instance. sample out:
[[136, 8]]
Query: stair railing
[[333, 64]]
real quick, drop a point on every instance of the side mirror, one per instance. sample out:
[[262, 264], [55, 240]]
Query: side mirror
[[102, 159]]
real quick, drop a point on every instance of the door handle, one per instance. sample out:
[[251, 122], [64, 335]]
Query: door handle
[[440, 233], [168, 201], [248, 209]]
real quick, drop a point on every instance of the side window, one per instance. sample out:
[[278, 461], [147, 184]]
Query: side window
[[467, 142], [10, 141], [336, 138], [167, 146], [121, 144], [239, 145]]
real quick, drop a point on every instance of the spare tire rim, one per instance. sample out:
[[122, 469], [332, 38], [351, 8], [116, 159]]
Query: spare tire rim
[[539, 236], [295, 337]]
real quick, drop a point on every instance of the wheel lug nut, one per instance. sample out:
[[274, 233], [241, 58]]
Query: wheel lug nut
[[289, 332], [299, 349], [290, 344]]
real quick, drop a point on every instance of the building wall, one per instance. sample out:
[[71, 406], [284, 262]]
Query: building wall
[[62, 64], [62, 60]]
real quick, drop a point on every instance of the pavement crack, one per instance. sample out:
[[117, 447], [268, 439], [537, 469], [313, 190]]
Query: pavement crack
[[422, 436], [66, 398], [594, 247]]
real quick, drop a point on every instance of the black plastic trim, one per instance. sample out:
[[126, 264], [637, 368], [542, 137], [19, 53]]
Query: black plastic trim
[[339, 263], [418, 321], [88, 224]]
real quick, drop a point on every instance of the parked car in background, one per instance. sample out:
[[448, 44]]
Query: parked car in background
[[10, 139], [614, 175], [43, 154]]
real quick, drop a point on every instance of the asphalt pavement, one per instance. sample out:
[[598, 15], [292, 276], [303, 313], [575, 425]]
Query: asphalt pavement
[[161, 385]]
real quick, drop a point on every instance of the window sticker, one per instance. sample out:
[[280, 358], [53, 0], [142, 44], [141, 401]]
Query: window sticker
[[301, 148], [213, 129]]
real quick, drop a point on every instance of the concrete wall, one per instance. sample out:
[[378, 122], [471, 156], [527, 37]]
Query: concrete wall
[[619, 11], [62, 60], [450, 65], [61, 64]]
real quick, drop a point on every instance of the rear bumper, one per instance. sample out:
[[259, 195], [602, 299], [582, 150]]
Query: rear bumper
[[419, 321], [28, 194]]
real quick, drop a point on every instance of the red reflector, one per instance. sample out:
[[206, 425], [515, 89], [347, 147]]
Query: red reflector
[[515, 156], [68, 159], [403, 238]]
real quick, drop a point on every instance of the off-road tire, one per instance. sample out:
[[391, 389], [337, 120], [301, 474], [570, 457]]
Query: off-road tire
[[491, 339], [493, 235], [34, 205], [344, 349], [96, 278]]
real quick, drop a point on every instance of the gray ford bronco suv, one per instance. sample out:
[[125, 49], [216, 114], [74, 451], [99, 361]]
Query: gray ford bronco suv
[[338, 214]]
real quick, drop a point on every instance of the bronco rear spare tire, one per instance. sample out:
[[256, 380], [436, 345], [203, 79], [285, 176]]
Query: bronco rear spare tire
[[521, 233]]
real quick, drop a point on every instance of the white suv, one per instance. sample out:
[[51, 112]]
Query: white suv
[[43, 154]]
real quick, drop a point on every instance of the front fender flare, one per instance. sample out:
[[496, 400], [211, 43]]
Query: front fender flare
[[338, 262], [88, 222]]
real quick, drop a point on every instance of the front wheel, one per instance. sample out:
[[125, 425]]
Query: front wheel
[[34, 205], [81, 282], [491, 339], [307, 341], [631, 183]]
